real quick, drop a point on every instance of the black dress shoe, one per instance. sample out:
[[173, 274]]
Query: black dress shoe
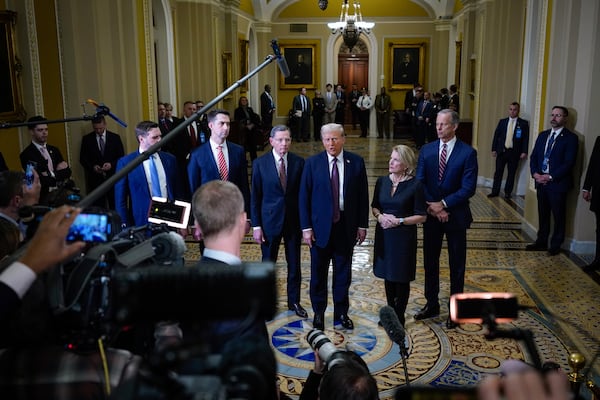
[[428, 312], [450, 324], [299, 310], [507, 196], [535, 247], [492, 195], [553, 251], [346, 322], [319, 322]]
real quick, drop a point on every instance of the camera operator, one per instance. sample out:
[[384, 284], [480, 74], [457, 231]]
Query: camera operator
[[337, 374], [46, 249]]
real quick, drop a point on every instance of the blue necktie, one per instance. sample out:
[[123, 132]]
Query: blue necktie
[[547, 153], [156, 192]]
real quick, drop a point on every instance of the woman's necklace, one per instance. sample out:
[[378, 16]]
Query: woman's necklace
[[396, 181]]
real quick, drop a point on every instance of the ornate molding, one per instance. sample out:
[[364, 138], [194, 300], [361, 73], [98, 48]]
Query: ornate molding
[[34, 57]]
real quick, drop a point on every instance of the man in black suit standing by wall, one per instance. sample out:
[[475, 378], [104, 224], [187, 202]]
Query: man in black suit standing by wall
[[510, 144], [46, 159], [267, 107], [301, 107], [551, 164], [274, 208], [591, 185], [99, 153]]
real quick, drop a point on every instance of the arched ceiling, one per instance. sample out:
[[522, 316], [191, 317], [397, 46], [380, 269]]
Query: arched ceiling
[[268, 10]]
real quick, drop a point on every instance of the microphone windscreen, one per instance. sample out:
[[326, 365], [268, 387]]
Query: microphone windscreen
[[392, 324], [168, 247], [283, 67]]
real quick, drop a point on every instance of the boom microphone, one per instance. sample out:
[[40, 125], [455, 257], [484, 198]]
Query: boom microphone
[[392, 325], [104, 110], [283, 67]]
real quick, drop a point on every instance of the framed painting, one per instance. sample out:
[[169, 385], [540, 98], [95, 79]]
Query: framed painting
[[11, 107], [301, 61], [243, 64], [407, 64]]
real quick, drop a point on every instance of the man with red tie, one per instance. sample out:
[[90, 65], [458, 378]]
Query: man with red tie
[[47, 160]]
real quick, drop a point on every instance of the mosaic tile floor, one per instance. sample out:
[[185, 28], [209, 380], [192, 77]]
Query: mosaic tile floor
[[564, 314]]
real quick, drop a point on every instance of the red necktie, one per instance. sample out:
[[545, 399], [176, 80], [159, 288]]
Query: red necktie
[[222, 164]]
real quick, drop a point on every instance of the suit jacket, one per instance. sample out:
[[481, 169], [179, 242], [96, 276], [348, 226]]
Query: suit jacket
[[383, 103], [316, 204], [297, 105], [592, 177], [330, 104], [203, 168], [520, 144], [266, 108], [458, 183], [132, 195], [181, 146], [270, 205], [90, 155], [423, 112], [561, 160], [3, 166], [33, 155], [216, 334], [9, 301]]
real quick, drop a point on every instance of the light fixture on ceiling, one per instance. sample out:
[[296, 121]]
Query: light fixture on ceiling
[[350, 25]]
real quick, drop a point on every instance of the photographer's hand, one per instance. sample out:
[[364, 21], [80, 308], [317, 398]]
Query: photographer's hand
[[48, 246], [319, 364]]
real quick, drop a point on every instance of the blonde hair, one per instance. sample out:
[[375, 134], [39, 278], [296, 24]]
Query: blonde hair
[[408, 156]]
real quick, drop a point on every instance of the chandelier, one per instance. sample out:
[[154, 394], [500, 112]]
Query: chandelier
[[350, 25]]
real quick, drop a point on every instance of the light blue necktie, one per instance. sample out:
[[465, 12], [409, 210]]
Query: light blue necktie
[[154, 180]]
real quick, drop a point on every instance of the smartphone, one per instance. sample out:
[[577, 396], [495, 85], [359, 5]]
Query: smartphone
[[476, 308], [29, 175], [90, 228]]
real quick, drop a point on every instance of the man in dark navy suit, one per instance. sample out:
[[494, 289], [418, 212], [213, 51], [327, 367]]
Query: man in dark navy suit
[[510, 144], [552, 161], [448, 170], [334, 215], [274, 206], [98, 156], [134, 191], [204, 165]]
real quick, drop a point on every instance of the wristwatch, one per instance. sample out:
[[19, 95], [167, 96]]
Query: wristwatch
[[401, 221]]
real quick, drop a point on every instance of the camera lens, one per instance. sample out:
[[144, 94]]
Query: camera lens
[[320, 342]]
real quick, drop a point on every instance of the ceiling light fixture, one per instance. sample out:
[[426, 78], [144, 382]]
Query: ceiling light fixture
[[350, 26]]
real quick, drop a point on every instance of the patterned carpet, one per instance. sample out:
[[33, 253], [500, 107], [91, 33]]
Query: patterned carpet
[[564, 314]]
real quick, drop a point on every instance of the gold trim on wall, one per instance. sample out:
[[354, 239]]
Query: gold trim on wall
[[243, 44], [11, 106], [227, 72]]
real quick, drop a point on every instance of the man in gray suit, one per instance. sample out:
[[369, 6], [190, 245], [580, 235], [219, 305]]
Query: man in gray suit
[[330, 105]]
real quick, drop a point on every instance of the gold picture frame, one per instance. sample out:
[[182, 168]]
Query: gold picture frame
[[301, 61], [11, 106], [243, 64], [407, 64]]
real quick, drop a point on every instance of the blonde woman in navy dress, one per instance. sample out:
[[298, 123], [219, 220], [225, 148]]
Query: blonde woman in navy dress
[[398, 205]]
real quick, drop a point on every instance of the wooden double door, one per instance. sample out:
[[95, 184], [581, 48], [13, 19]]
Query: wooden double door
[[353, 69]]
